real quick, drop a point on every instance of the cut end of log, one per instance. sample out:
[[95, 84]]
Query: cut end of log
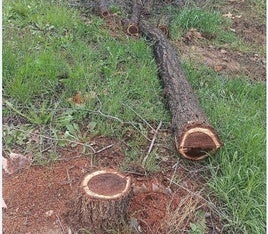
[[198, 142], [105, 14], [106, 184], [133, 30], [164, 29]]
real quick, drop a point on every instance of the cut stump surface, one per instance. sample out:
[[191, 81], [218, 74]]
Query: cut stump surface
[[102, 201]]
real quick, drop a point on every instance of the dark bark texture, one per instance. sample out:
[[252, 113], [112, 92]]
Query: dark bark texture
[[195, 137], [101, 202]]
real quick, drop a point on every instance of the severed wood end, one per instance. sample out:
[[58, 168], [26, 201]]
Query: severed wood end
[[106, 184], [198, 142]]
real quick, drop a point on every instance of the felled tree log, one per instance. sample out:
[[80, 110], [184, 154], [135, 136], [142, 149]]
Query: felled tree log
[[101, 202], [195, 138], [132, 24], [103, 8]]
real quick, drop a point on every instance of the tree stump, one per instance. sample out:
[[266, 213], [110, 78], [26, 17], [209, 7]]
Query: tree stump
[[195, 138], [102, 201]]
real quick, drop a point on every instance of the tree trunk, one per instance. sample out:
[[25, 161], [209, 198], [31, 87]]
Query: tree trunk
[[102, 201], [195, 138], [133, 23]]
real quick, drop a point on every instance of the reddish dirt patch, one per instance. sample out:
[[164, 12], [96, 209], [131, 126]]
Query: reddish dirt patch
[[37, 197]]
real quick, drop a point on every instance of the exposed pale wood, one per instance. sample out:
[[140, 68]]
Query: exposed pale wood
[[101, 202]]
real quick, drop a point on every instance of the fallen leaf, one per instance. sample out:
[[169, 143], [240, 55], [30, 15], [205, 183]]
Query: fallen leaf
[[193, 34], [218, 68], [228, 15], [140, 189], [80, 99], [231, 16], [4, 204]]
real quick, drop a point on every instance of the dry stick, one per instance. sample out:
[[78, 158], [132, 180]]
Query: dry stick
[[195, 138], [133, 22], [152, 144], [199, 196], [62, 228], [69, 178], [144, 120], [117, 119], [105, 148]]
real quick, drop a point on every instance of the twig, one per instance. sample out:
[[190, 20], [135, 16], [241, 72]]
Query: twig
[[139, 116], [104, 148], [173, 175], [71, 141], [152, 144], [69, 178], [62, 228], [116, 118], [199, 196]]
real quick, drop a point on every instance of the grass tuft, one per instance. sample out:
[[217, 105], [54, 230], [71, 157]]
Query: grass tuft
[[236, 107], [209, 23]]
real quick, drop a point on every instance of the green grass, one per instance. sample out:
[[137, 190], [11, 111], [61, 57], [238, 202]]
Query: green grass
[[49, 57], [50, 54], [209, 22], [212, 25], [236, 108]]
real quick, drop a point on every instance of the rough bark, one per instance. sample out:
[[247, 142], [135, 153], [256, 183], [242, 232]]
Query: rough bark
[[195, 138], [132, 25], [101, 202]]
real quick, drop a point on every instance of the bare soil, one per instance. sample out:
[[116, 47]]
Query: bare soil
[[226, 60], [38, 197], [163, 202]]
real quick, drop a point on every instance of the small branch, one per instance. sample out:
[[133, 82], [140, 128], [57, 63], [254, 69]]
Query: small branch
[[152, 144], [146, 122], [104, 148], [69, 178], [62, 228]]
